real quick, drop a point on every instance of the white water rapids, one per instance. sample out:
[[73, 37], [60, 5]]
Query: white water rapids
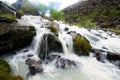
[[89, 68]]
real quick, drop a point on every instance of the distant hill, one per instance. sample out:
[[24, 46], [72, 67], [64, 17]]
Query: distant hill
[[105, 13]]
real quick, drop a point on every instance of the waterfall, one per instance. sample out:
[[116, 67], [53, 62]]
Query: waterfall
[[88, 68]]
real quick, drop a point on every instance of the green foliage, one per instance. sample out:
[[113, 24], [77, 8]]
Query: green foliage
[[56, 15], [53, 29], [8, 17], [81, 45], [5, 72], [42, 8]]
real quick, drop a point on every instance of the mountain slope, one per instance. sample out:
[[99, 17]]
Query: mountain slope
[[105, 13]]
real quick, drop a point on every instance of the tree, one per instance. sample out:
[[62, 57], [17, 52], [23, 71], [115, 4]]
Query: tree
[[55, 14], [42, 8]]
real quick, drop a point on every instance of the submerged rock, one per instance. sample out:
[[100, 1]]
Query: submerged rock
[[65, 63], [61, 62], [35, 66], [99, 54], [50, 43]]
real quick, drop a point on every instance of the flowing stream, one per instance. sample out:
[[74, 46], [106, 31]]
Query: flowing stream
[[89, 68]]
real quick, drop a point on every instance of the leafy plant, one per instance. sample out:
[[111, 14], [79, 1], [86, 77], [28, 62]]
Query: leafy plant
[[56, 15]]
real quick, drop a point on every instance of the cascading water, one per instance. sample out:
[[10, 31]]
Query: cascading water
[[88, 67]]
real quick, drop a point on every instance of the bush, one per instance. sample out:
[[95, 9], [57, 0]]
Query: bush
[[56, 15]]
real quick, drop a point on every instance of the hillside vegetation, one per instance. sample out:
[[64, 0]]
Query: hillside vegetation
[[89, 13]]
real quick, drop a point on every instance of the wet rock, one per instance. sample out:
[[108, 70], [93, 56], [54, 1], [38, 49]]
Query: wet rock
[[52, 57], [48, 24], [97, 50], [81, 45], [49, 44], [65, 63], [30, 55], [35, 66], [99, 54], [66, 29], [113, 56], [26, 50], [73, 34]]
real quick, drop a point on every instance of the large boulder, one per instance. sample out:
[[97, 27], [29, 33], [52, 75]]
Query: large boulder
[[50, 43], [81, 45], [14, 36]]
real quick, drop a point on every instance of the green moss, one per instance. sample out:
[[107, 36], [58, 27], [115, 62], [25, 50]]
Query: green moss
[[7, 17], [81, 45], [19, 13], [31, 28], [5, 72], [53, 29]]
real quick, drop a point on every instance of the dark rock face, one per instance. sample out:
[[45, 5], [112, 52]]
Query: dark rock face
[[14, 36], [112, 56], [50, 43], [5, 8], [34, 66]]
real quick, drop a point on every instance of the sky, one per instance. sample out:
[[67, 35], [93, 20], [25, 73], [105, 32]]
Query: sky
[[61, 3]]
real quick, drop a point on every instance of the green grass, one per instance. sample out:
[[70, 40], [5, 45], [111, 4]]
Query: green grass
[[8, 16]]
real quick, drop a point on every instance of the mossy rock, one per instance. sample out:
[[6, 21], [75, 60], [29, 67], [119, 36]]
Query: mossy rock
[[4, 66], [7, 17], [31, 28], [81, 45], [19, 13], [5, 71], [53, 29]]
